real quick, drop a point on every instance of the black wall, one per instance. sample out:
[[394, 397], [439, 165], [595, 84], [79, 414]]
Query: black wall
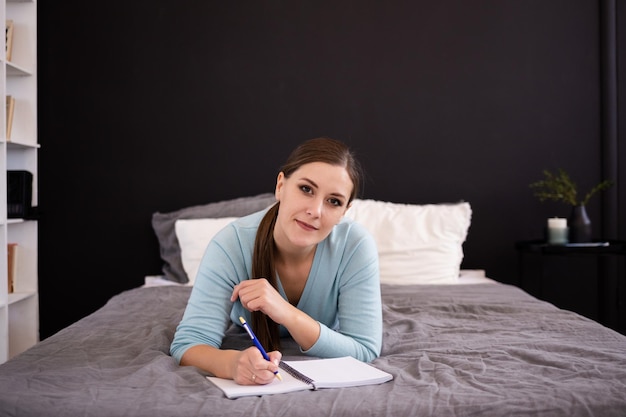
[[156, 105]]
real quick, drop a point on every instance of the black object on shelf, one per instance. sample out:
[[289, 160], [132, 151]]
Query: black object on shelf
[[19, 194]]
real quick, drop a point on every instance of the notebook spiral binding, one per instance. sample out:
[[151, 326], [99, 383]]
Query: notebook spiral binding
[[294, 373]]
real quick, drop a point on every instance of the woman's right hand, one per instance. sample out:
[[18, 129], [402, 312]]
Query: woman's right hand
[[251, 368], [245, 367]]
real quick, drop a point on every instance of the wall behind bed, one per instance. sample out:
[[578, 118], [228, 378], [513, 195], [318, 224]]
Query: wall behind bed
[[157, 105]]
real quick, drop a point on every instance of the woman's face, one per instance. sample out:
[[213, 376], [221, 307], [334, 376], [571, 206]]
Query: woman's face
[[312, 201]]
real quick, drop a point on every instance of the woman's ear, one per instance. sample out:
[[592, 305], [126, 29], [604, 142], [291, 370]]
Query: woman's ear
[[280, 182]]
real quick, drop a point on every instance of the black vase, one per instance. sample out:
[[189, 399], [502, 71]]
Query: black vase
[[579, 225]]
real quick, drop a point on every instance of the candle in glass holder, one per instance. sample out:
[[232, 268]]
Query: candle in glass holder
[[557, 231]]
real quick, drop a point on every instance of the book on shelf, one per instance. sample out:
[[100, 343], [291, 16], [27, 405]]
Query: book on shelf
[[10, 110], [12, 251], [309, 374], [9, 39]]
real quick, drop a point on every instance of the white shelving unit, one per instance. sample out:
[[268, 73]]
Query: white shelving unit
[[19, 310]]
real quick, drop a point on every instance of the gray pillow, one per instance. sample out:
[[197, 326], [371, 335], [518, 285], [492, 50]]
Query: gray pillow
[[163, 225]]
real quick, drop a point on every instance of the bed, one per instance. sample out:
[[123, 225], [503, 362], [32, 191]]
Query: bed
[[456, 342]]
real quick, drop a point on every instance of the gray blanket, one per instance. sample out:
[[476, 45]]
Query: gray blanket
[[462, 350]]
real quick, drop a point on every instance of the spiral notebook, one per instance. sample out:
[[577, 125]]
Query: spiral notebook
[[309, 375]]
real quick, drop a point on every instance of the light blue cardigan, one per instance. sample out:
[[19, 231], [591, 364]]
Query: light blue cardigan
[[342, 292]]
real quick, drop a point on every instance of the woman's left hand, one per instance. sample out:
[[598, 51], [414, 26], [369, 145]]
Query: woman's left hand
[[259, 295]]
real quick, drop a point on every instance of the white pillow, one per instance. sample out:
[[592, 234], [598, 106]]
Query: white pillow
[[193, 236], [417, 244]]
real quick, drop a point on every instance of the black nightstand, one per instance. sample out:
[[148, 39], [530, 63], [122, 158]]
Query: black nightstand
[[590, 280]]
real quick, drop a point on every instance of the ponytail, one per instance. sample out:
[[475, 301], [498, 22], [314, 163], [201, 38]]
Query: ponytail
[[263, 266]]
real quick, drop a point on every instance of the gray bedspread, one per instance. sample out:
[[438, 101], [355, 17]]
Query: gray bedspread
[[462, 350]]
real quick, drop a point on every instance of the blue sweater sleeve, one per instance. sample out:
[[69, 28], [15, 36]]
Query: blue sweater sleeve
[[225, 263]]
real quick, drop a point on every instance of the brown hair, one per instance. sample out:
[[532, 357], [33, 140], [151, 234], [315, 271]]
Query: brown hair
[[321, 149]]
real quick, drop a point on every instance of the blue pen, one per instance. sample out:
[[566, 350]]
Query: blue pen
[[257, 343]]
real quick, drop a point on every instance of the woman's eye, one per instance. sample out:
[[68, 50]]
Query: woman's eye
[[306, 189], [335, 202]]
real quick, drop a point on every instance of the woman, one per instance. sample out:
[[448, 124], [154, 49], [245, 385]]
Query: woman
[[296, 269]]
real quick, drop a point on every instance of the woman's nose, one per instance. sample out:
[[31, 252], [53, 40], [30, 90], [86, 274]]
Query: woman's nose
[[315, 208]]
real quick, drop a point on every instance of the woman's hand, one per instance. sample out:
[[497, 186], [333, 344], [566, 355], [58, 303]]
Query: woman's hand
[[245, 367], [259, 295], [251, 368]]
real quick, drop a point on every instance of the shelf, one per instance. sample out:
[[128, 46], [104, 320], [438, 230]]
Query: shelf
[[614, 247], [16, 297], [13, 144], [17, 71], [19, 311]]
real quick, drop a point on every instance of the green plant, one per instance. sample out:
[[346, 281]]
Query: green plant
[[560, 187]]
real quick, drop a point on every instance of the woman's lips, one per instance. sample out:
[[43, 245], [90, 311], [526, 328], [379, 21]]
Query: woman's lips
[[306, 226]]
